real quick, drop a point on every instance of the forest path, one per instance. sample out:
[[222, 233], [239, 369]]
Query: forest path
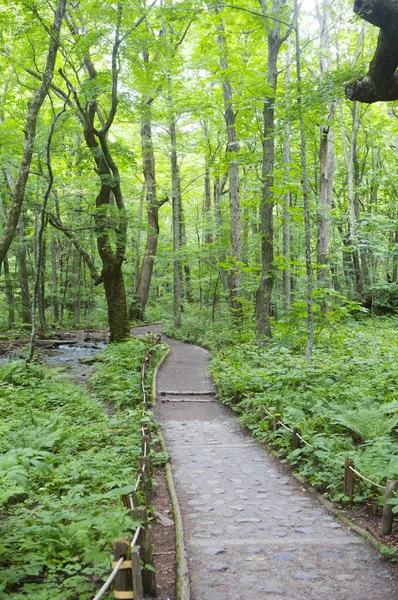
[[251, 532]]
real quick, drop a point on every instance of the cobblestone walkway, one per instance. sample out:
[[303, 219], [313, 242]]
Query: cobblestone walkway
[[252, 532]]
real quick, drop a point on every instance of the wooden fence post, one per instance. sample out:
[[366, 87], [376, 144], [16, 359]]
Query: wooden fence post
[[388, 515], [146, 441], [296, 438], [123, 579], [144, 541], [348, 479], [146, 478], [275, 423], [136, 573]]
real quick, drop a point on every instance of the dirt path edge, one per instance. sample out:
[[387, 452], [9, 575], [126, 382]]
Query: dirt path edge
[[183, 587], [330, 506], [338, 513]]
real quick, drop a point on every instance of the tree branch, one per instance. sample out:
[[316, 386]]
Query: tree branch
[[57, 223], [381, 81]]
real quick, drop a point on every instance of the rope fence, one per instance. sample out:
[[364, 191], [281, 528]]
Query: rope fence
[[132, 579], [390, 489]]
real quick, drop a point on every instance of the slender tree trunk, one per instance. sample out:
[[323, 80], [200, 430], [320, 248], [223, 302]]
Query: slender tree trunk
[[41, 304], [34, 107], [218, 187], [325, 154], [54, 278], [140, 300], [9, 294], [40, 259], [349, 158], [78, 304], [183, 245], [287, 205], [307, 225], [175, 184], [395, 256], [323, 214], [233, 173], [137, 242], [111, 245], [7, 278], [264, 292], [137, 308], [207, 205]]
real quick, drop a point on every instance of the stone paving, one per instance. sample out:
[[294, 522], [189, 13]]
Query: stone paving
[[251, 532]]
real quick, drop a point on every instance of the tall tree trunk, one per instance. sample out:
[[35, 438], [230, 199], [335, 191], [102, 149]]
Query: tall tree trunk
[[349, 160], [326, 152], [175, 184], [34, 107], [9, 294], [20, 253], [183, 245], [140, 300], [233, 173], [264, 292], [286, 283], [207, 205], [323, 214], [38, 292], [307, 225], [7, 279], [218, 188], [41, 304], [111, 245], [137, 242], [141, 295], [54, 278]]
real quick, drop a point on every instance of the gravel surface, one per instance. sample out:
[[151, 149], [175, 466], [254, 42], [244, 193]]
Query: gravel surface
[[251, 531]]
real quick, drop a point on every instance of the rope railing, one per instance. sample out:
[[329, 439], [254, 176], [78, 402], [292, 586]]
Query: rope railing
[[382, 487], [349, 471], [111, 577], [132, 580]]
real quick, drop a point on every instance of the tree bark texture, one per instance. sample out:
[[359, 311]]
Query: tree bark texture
[[207, 205], [325, 152], [9, 294], [175, 184], [20, 253], [264, 291], [349, 160], [286, 284], [218, 188], [307, 224], [323, 213], [35, 105], [233, 174], [381, 81], [140, 300]]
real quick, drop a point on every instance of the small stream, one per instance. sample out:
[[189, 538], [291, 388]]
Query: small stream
[[67, 357]]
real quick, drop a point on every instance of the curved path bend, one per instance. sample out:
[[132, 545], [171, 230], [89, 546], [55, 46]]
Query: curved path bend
[[251, 532]]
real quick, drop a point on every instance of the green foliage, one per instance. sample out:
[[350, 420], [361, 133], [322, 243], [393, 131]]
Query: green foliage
[[65, 458]]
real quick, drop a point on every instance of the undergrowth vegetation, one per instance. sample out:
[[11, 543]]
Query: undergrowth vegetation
[[66, 456], [344, 401]]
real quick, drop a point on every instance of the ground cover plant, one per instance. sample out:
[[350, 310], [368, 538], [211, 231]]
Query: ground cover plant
[[66, 455]]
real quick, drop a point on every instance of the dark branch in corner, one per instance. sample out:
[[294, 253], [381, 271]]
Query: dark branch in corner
[[381, 81]]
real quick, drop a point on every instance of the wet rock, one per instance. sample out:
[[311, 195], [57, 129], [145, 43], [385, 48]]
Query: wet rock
[[214, 551], [281, 556]]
